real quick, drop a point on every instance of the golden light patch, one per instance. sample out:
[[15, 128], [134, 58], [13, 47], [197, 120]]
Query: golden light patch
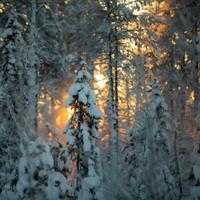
[[47, 6], [2, 7]]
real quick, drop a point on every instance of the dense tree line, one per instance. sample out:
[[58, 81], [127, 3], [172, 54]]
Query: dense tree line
[[148, 145]]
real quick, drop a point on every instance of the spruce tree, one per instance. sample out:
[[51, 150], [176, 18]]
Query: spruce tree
[[82, 134], [149, 151], [162, 181], [11, 101]]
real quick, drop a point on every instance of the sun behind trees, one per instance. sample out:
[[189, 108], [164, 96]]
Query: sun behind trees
[[146, 146], [73, 171]]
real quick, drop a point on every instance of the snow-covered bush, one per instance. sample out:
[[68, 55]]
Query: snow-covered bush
[[82, 134], [37, 178], [34, 169]]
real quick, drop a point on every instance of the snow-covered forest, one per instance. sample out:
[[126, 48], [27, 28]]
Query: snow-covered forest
[[99, 99]]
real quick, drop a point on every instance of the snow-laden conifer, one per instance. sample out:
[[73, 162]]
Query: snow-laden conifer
[[11, 99], [82, 136], [148, 153]]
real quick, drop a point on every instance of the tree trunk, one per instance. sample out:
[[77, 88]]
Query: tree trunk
[[32, 89], [116, 124], [196, 73], [127, 102], [113, 95]]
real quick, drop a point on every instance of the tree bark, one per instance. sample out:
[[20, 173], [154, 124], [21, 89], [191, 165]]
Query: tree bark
[[32, 75]]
